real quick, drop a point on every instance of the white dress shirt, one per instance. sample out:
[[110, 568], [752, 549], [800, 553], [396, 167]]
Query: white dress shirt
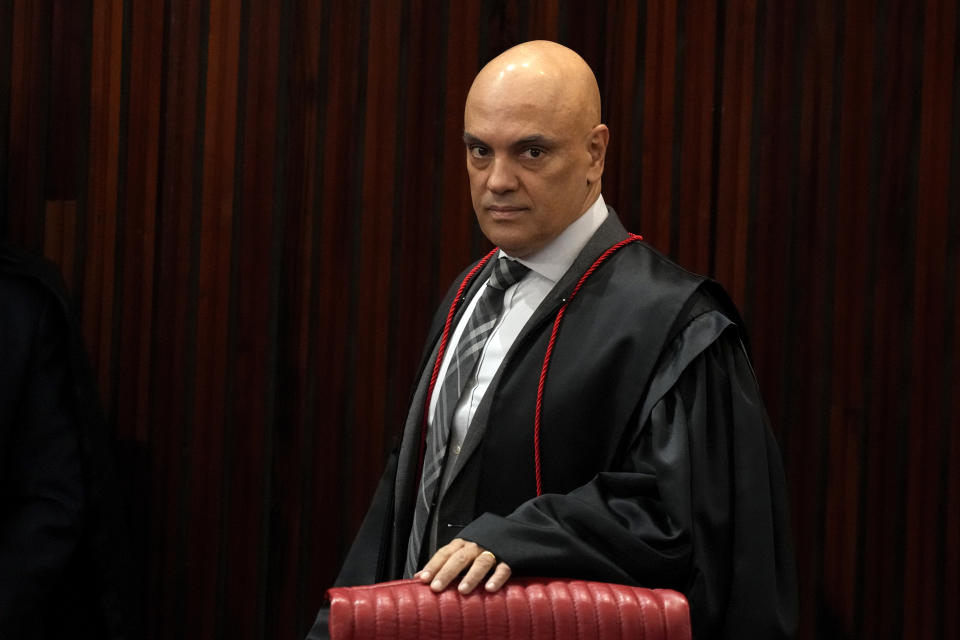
[[520, 300]]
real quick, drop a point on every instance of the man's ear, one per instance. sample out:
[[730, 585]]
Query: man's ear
[[597, 141]]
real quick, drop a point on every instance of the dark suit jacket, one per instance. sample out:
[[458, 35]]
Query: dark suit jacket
[[658, 466], [62, 549]]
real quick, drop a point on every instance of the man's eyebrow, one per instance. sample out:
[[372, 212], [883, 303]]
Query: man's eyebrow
[[537, 139], [469, 138]]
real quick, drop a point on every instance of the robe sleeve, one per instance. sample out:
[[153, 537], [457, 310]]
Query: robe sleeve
[[697, 502]]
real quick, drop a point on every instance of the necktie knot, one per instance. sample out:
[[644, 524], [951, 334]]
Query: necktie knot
[[506, 273]]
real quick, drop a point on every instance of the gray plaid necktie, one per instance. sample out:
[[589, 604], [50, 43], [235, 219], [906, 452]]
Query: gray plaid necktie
[[460, 369]]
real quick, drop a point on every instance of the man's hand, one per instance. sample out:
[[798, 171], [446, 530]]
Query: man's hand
[[450, 560]]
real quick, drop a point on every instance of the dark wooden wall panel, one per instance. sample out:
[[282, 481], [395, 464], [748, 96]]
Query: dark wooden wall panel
[[924, 490], [288, 588], [257, 204]]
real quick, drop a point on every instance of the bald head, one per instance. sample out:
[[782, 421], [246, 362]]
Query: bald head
[[535, 144], [544, 74]]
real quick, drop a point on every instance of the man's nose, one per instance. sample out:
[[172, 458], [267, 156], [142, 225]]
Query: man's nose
[[502, 177]]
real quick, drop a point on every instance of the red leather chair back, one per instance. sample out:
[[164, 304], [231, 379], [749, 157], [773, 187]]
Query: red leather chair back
[[533, 608]]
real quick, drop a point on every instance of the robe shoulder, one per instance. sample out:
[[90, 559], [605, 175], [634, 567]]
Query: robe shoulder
[[642, 276]]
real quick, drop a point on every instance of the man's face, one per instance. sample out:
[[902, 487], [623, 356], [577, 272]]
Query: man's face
[[529, 161]]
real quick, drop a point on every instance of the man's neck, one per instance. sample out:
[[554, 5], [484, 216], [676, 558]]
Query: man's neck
[[553, 260]]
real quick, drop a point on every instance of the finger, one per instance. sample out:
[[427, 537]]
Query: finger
[[499, 577], [438, 560], [482, 565], [457, 562]]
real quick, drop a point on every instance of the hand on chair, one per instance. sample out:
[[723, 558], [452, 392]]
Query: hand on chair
[[451, 560]]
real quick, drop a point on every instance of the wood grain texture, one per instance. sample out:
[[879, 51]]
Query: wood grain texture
[[256, 206]]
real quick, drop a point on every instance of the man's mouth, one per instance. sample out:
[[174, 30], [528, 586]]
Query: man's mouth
[[504, 211]]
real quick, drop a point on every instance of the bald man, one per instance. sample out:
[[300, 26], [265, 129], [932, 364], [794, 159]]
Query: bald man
[[649, 462]]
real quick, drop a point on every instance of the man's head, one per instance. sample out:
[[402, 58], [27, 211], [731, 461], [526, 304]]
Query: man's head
[[535, 144]]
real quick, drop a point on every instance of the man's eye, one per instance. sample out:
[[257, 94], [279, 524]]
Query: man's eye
[[478, 152], [533, 152]]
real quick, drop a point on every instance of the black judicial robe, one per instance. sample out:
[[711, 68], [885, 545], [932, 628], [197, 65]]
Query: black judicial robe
[[659, 468], [63, 546]]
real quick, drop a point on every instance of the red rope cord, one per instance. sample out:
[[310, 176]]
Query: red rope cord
[[553, 338], [443, 347]]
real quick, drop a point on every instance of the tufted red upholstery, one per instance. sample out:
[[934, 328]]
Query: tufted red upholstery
[[533, 608]]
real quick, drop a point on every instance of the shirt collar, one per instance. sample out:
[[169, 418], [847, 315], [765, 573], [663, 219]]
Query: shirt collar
[[553, 260]]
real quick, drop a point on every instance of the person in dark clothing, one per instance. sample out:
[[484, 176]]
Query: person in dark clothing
[[63, 552], [585, 407]]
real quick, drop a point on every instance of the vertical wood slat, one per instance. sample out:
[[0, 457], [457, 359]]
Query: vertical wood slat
[[923, 488], [949, 518], [376, 228], [770, 201], [621, 100], [271, 196], [847, 406], [105, 106], [62, 180], [544, 21], [173, 380], [893, 194], [53, 240], [658, 125], [255, 263], [28, 72], [60, 218], [6, 65], [337, 210], [693, 183], [454, 217], [211, 436], [950, 620], [290, 554], [140, 207], [734, 164], [816, 245]]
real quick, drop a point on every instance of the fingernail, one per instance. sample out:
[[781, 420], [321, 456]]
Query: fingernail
[[424, 575], [490, 586], [464, 587], [436, 585]]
